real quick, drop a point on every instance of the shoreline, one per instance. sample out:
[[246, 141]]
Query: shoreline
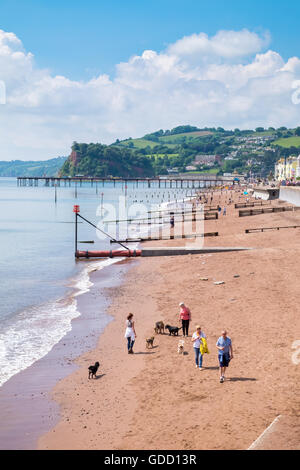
[[26, 406], [148, 400], [22, 429]]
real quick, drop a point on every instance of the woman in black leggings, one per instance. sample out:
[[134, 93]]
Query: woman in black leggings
[[185, 317]]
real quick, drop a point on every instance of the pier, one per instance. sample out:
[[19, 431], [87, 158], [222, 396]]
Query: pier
[[196, 182]]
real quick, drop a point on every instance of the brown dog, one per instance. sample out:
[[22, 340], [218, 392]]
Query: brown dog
[[159, 327], [149, 342]]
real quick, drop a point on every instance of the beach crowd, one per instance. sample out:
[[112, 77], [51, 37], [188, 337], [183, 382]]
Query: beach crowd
[[199, 340]]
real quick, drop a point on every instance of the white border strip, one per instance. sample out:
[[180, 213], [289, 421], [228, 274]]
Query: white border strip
[[257, 441]]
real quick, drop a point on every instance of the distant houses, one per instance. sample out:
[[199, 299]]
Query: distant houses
[[203, 160], [208, 160], [287, 168]]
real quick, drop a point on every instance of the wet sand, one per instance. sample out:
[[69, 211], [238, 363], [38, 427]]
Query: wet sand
[[26, 406], [156, 398]]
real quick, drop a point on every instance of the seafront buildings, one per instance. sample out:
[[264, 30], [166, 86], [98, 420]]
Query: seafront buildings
[[287, 168]]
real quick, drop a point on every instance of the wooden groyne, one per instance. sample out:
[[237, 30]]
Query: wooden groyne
[[267, 210], [162, 237], [241, 205], [164, 216], [265, 229]]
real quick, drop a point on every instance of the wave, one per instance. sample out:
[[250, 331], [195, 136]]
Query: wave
[[33, 332], [37, 329]]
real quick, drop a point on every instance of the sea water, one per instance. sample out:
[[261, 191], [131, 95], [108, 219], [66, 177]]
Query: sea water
[[39, 276]]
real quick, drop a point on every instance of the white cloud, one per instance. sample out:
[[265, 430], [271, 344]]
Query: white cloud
[[229, 80], [227, 45]]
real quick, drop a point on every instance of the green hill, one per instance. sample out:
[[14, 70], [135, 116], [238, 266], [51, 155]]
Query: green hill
[[171, 139], [288, 142], [182, 149], [40, 168]]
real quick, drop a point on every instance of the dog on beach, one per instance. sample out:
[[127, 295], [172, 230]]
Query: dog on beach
[[180, 348], [159, 327], [173, 330], [149, 342], [93, 370]]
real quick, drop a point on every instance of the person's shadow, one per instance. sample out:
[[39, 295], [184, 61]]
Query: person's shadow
[[241, 379], [145, 352]]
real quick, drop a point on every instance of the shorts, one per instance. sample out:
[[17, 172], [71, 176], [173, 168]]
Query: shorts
[[224, 360]]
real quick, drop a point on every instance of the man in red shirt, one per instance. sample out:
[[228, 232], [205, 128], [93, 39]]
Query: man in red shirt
[[185, 317]]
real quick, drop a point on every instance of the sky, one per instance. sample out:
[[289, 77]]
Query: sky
[[95, 71]]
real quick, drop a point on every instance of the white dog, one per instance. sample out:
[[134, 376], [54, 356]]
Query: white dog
[[180, 348]]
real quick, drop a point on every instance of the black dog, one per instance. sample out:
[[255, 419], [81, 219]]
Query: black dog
[[93, 370], [173, 330]]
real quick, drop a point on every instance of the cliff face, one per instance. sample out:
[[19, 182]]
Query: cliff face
[[74, 158]]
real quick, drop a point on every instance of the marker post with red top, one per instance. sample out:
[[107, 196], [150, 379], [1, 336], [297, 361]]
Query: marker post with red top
[[76, 210]]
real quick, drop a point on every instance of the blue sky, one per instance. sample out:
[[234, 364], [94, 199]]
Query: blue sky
[[81, 39]]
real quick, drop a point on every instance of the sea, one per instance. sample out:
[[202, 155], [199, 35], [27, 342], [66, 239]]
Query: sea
[[40, 279]]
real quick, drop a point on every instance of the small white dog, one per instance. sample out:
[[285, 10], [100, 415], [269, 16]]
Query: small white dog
[[180, 348]]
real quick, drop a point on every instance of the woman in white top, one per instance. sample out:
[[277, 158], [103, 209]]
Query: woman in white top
[[130, 333], [196, 340]]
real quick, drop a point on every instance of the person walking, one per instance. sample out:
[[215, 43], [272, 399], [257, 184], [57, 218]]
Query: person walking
[[224, 345], [197, 340], [130, 333], [172, 221], [185, 317], [224, 211]]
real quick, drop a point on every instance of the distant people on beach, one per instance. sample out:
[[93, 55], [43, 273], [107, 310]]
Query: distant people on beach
[[219, 209], [130, 333], [224, 211], [197, 343], [185, 317], [224, 346], [172, 221]]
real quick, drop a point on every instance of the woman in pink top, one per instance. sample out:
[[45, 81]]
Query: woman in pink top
[[185, 317]]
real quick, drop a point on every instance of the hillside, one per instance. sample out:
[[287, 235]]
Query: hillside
[[288, 142], [186, 149], [104, 160], [40, 168]]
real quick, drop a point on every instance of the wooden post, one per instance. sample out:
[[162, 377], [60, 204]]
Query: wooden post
[[160, 224], [149, 225]]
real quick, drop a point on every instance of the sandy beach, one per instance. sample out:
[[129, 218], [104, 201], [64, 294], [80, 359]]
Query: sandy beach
[[156, 398]]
